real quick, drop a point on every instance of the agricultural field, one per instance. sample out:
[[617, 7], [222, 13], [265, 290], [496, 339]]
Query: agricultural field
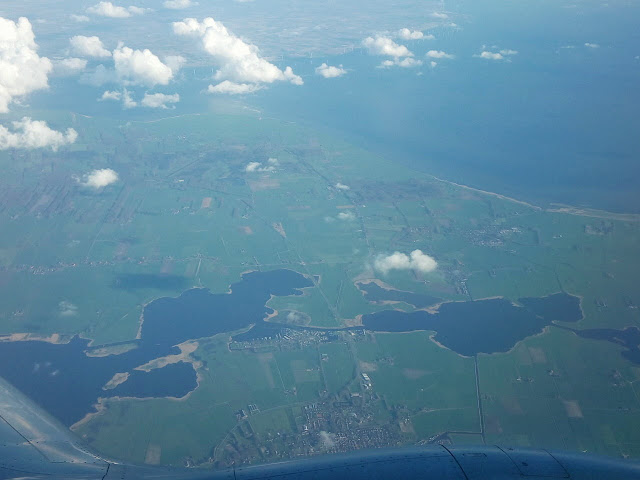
[[188, 212]]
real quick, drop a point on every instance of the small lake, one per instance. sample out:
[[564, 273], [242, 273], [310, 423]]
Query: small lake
[[482, 326]]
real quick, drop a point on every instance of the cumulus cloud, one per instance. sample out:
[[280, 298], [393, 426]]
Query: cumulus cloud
[[272, 163], [330, 71], [127, 100], [238, 62], [416, 260], [341, 186], [440, 15], [79, 18], [111, 95], [438, 54], [591, 45], [232, 88], [30, 134], [386, 46], [398, 62], [346, 216], [140, 67], [108, 9], [99, 178], [88, 46], [406, 34], [490, 55], [67, 309], [22, 71], [178, 4], [69, 66], [159, 100], [508, 51]]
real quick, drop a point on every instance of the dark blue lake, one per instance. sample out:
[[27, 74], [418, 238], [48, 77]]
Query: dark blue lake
[[483, 326], [67, 382]]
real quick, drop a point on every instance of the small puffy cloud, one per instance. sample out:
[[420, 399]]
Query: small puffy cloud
[[508, 51], [30, 134], [79, 18], [69, 66], [341, 186], [490, 55], [416, 260], [328, 71], [272, 163], [238, 62], [127, 100], [591, 45], [88, 46], [140, 67], [174, 62], [67, 309], [100, 178], [232, 88], [111, 95], [108, 9], [178, 4], [22, 70], [433, 64], [385, 46], [407, 62], [406, 34], [439, 54], [159, 100], [440, 15], [252, 166], [346, 216]]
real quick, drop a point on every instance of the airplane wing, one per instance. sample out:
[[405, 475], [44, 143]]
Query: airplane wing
[[35, 446]]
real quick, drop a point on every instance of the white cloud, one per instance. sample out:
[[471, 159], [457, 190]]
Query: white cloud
[[232, 88], [108, 9], [67, 309], [69, 66], [100, 178], [79, 18], [341, 186], [238, 62], [440, 15], [347, 216], [174, 62], [407, 34], [330, 71], [252, 166], [439, 54], [591, 45], [272, 163], [508, 51], [386, 46], [88, 46], [22, 71], [490, 56], [111, 95], [159, 100], [140, 67], [397, 62], [127, 101], [433, 64], [31, 134], [178, 4], [416, 260]]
